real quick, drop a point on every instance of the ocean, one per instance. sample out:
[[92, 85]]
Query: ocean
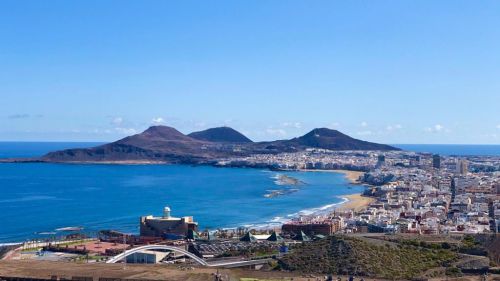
[[38, 198], [454, 149], [10, 149]]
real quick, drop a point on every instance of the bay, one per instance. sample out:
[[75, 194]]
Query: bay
[[40, 197]]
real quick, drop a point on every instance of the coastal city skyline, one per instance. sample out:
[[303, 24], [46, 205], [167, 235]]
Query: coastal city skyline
[[249, 140], [383, 72]]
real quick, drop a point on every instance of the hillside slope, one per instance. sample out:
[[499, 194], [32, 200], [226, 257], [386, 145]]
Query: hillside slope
[[340, 255]]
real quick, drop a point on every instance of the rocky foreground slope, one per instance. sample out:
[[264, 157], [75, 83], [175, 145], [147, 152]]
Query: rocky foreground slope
[[351, 256], [396, 257]]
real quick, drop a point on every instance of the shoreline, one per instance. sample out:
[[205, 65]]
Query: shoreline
[[355, 201], [351, 176]]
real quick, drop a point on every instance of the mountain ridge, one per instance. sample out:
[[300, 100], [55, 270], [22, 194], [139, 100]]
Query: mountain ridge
[[163, 144]]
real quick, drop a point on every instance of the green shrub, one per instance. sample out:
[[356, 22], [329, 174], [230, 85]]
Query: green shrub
[[445, 245], [453, 271]]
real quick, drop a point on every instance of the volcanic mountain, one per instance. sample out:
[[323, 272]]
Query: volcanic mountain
[[322, 138], [156, 144], [334, 140], [220, 134], [162, 144]]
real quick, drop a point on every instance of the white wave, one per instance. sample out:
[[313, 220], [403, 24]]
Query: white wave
[[320, 210], [10, 244], [30, 198], [69, 228], [278, 221], [277, 179], [269, 225], [275, 222], [46, 233], [275, 176]]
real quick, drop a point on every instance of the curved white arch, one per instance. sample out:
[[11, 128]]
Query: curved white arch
[[156, 247]]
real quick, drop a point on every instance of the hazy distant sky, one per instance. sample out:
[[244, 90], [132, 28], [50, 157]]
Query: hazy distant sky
[[385, 71]]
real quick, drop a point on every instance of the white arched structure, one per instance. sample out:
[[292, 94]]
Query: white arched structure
[[157, 247]]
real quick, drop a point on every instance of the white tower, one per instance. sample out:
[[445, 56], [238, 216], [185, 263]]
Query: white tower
[[166, 212]]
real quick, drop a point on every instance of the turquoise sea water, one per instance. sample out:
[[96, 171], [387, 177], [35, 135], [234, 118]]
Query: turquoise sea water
[[38, 197]]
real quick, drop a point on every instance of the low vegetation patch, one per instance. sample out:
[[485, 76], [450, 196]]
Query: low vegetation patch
[[351, 256]]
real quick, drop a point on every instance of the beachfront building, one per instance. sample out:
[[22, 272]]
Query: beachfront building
[[166, 226], [325, 227]]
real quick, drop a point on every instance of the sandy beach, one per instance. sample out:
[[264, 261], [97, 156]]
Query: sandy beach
[[352, 176], [357, 202]]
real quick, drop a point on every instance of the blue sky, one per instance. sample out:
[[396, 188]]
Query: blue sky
[[385, 71]]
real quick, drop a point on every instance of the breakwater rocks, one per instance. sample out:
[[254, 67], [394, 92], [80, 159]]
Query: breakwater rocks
[[287, 180], [290, 185]]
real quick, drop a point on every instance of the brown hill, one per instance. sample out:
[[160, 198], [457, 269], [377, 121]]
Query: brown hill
[[220, 134]]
